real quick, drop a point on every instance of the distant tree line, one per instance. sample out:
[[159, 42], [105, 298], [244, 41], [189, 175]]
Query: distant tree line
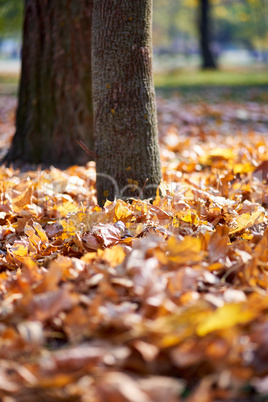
[[177, 27], [232, 23]]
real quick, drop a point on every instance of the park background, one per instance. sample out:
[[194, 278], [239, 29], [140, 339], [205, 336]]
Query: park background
[[238, 40]]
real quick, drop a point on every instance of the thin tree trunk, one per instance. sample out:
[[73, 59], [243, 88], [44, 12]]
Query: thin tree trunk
[[125, 123], [54, 115], [208, 60]]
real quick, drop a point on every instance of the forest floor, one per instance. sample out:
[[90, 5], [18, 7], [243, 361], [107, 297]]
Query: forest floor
[[142, 302]]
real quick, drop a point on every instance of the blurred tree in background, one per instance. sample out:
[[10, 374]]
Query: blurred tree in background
[[236, 24], [11, 15], [206, 34]]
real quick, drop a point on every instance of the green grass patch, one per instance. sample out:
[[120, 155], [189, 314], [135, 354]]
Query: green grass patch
[[9, 84], [9, 79], [194, 85], [182, 78]]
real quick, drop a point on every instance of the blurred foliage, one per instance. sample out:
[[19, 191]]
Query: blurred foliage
[[171, 19], [11, 16], [238, 22], [245, 22]]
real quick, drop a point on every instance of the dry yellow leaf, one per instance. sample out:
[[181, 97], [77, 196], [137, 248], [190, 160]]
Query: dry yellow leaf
[[186, 251], [114, 255], [122, 211], [226, 316]]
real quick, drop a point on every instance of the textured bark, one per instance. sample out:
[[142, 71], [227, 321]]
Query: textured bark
[[55, 102], [125, 123], [208, 60]]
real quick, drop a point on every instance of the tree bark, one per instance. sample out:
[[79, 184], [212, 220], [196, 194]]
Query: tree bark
[[125, 122], [55, 114], [208, 61]]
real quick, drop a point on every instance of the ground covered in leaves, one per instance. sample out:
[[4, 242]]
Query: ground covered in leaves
[[140, 302]]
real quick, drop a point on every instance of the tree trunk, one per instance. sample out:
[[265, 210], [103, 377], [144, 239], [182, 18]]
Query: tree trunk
[[54, 115], [125, 122], [208, 60]]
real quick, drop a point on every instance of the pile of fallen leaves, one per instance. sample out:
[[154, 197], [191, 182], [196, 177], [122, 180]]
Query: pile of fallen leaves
[[142, 302]]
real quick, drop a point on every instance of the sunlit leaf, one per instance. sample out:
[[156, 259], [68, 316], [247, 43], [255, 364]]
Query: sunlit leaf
[[19, 249], [226, 317], [115, 255], [243, 168], [122, 211], [186, 251], [247, 220]]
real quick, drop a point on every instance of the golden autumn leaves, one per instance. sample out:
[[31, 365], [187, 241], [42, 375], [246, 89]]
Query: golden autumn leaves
[[138, 301]]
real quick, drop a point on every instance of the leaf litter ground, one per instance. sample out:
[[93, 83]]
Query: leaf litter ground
[[140, 302]]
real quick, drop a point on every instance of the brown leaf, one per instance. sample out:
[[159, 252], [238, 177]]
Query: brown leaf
[[22, 199], [49, 304], [91, 241], [108, 235], [119, 387], [80, 357], [261, 171], [217, 247]]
